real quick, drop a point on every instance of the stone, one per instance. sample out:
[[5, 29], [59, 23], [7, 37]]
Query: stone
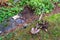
[[25, 25], [8, 28], [19, 21], [15, 17]]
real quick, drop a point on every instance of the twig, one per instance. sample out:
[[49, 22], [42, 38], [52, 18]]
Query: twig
[[40, 17]]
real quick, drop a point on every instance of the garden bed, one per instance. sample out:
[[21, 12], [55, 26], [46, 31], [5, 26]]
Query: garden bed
[[20, 27]]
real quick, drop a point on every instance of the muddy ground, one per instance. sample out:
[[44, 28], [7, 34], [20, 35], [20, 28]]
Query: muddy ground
[[29, 17]]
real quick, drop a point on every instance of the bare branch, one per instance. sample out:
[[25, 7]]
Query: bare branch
[[40, 17]]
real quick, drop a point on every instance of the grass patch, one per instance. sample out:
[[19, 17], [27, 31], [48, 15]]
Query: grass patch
[[54, 21]]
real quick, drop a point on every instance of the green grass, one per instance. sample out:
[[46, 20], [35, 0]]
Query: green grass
[[54, 28], [52, 34], [9, 11], [58, 4]]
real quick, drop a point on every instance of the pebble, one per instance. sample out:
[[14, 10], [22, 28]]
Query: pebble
[[19, 21], [8, 28], [25, 25]]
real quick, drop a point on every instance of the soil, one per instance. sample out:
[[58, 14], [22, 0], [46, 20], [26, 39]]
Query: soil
[[56, 10], [28, 15]]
